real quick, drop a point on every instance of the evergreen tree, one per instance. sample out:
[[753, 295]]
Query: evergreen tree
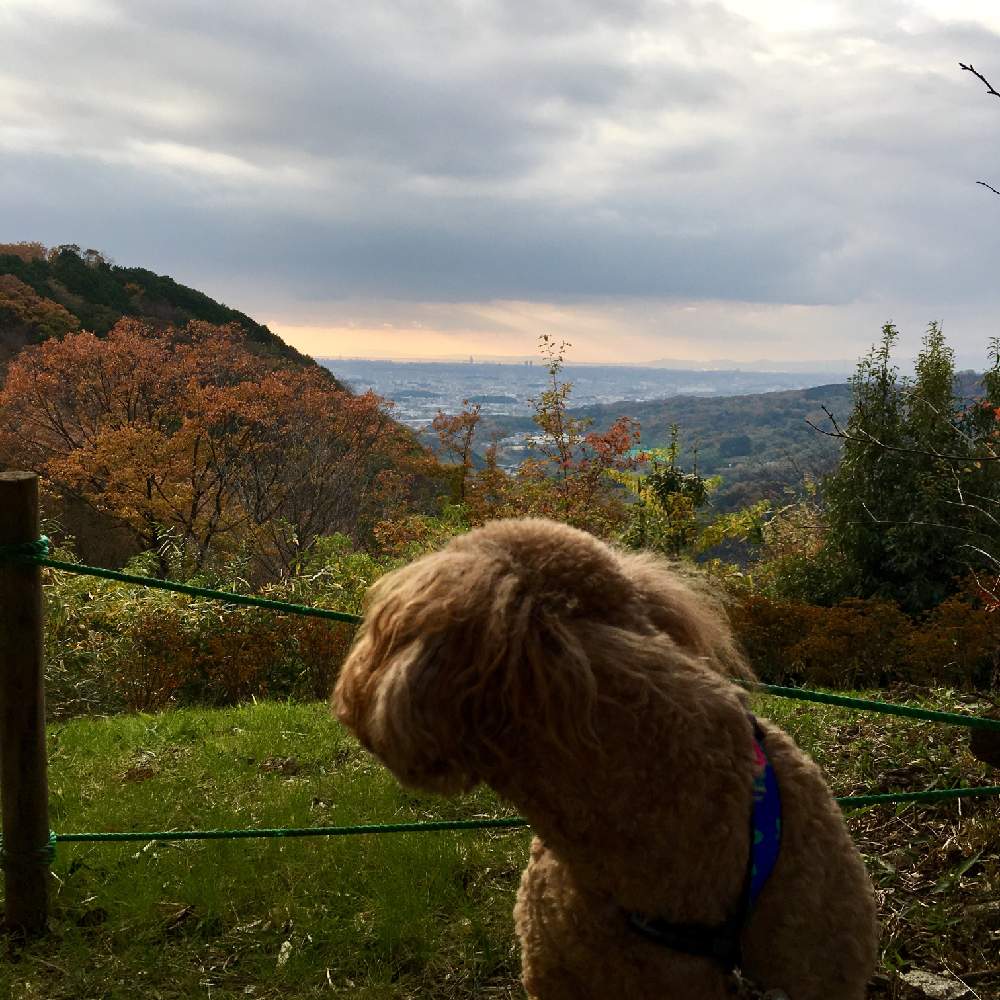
[[864, 491], [925, 548], [908, 506]]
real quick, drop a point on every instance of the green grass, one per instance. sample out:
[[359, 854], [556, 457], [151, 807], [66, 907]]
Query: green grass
[[414, 915], [387, 916]]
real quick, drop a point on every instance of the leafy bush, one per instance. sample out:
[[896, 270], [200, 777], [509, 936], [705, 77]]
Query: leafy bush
[[113, 647], [871, 642], [958, 641]]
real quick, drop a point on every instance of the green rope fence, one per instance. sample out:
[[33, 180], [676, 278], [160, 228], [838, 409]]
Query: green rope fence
[[511, 822], [503, 823], [429, 826], [47, 852], [881, 707], [37, 553]]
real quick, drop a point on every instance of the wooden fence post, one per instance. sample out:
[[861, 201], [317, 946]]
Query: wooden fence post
[[23, 779]]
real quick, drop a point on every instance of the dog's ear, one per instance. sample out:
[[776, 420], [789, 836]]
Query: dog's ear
[[425, 650], [683, 606], [467, 651]]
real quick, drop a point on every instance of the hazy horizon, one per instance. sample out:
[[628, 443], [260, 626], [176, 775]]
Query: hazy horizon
[[679, 364]]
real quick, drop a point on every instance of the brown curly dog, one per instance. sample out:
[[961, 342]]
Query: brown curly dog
[[591, 688]]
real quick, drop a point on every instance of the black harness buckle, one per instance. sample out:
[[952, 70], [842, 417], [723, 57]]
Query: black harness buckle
[[720, 944]]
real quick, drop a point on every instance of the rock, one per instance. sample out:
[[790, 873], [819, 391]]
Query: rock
[[937, 987], [280, 765]]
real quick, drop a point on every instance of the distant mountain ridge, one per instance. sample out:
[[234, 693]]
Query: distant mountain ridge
[[830, 367], [49, 292], [761, 444]]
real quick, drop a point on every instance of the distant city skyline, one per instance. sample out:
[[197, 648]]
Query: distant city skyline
[[420, 389], [667, 364], [690, 179]]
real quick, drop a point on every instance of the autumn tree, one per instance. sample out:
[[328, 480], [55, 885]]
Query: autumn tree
[[331, 462], [794, 559], [24, 250], [187, 436], [456, 434], [668, 499], [26, 316], [671, 510], [567, 478], [570, 481]]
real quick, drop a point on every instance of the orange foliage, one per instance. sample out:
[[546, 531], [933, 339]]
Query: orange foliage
[[226, 657], [456, 434], [322, 648], [959, 640], [859, 643], [572, 487], [27, 251], [187, 434], [21, 305], [150, 672]]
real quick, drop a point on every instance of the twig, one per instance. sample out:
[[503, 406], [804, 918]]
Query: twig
[[986, 555], [962, 981], [979, 496], [989, 90], [989, 86], [837, 432], [951, 425], [924, 524], [972, 507]]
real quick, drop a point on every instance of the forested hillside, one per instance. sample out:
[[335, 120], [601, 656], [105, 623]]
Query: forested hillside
[[164, 422], [49, 292], [761, 444]]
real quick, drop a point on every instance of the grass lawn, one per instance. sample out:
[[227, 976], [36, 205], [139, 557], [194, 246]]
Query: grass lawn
[[419, 914]]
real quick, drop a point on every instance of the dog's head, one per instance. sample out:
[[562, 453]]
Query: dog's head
[[507, 638]]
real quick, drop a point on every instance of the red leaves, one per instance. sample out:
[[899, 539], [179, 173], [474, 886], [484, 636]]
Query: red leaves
[[188, 431]]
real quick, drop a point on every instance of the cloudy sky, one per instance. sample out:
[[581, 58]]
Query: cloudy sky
[[429, 178]]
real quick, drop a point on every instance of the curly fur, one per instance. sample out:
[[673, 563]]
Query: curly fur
[[591, 688]]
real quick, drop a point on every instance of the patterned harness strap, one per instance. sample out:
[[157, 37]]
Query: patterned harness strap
[[721, 942], [765, 826]]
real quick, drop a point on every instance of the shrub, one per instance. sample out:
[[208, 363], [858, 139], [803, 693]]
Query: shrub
[[958, 642], [871, 643], [113, 647]]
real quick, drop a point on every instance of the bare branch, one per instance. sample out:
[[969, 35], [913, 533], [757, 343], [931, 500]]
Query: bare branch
[[979, 496], [989, 90], [989, 86], [992, 591], [922, 524], [987, 555], [867, 438], [943, 417], [973, 507]]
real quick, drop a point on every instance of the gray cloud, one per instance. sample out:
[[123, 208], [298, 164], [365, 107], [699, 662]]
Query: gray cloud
[[462, 151]]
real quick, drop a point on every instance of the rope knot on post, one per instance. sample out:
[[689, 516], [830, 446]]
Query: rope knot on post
[[43, 855], [25, 552]]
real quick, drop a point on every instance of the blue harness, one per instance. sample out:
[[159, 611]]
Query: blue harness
[[721, 942]]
